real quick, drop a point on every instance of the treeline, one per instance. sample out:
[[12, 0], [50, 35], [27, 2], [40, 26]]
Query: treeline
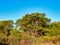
[[33, 25]]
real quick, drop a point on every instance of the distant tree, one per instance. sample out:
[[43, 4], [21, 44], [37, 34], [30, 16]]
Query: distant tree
[[54, 29], [6, 26]]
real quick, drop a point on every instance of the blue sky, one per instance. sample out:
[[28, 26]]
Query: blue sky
[[15, 9]]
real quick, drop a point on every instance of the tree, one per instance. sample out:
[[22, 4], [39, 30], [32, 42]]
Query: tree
[[54, 29], [6, 26], [33, 22]]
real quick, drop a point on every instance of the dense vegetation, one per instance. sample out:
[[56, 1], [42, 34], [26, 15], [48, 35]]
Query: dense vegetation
[[31, 26]]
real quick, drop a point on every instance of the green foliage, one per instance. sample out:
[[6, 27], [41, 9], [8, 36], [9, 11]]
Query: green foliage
[[54, 29], [53, 32], [14, 33], [31, 26], [6, 26], [33, 22]]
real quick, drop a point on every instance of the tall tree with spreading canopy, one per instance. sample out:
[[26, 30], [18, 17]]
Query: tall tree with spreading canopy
[[33, 22]]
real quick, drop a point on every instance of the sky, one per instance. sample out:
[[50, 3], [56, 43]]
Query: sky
[[16, 9]]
